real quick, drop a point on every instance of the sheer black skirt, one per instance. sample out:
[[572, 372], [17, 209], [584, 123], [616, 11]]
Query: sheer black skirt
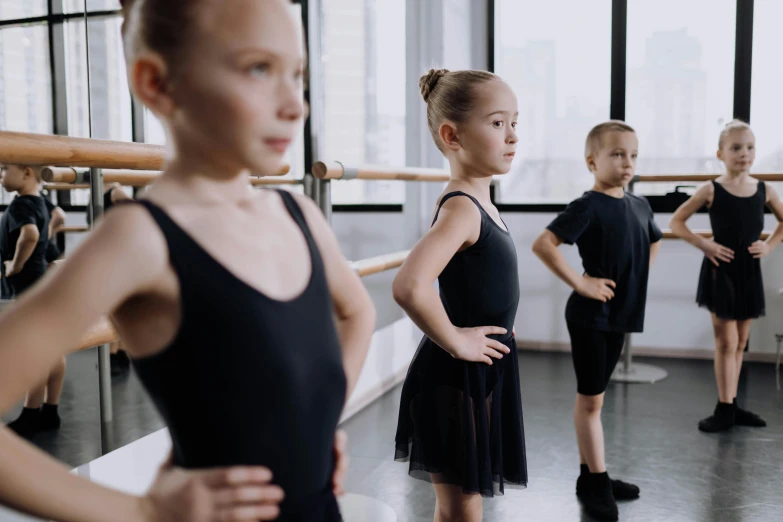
[[461, 423]]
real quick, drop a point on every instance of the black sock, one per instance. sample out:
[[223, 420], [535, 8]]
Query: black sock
[[28, 422], [50, 419], [584, 469]]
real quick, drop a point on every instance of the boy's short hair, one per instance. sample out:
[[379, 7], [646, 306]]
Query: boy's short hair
[[593, 141]]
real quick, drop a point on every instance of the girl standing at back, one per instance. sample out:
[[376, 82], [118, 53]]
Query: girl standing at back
[[460, 420], [730, 284], [244, 322]]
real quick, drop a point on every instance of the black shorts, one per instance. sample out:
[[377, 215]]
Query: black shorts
[[595, 354]]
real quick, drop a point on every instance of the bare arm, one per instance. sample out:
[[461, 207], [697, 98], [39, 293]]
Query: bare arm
[[458, 226], [25, 245], [546, 248], [56, 221], [776, 205], [353, 307], [29, 480], [763, 248], [654, 249]]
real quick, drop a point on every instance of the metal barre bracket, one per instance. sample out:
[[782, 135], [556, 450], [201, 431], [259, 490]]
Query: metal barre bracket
[[348, 172]]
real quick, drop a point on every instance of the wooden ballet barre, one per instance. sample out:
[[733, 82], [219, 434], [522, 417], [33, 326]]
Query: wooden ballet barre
[[73, 228], [273, 181], [66, 186], [668, 234], [374, 265], [336, 170], [128, 178], [100, 333], [696, 178], [42, 149]]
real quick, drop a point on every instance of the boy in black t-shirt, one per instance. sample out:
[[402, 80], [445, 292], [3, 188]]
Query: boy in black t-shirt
[[617, 240], [56, 220], [24, 237], [24, 231]]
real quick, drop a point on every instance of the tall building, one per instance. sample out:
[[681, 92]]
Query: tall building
[[668, 95], [25, 81]]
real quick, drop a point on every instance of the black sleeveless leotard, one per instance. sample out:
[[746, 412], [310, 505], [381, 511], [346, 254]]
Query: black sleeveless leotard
[[734, 290], [250, 380], [459, 419]]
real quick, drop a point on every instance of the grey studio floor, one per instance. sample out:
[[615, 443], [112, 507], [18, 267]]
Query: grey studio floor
[[650, 432]]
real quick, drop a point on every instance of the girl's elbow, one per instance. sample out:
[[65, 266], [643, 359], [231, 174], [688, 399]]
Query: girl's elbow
[[404, 290]]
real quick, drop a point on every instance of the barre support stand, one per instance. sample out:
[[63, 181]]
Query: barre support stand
[[104, 351], [630, 372], [323, 197]]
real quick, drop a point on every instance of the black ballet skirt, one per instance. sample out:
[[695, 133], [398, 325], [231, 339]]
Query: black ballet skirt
[[734, 290], [460, 422]]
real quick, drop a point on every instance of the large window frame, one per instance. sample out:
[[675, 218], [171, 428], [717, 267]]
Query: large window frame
[[742, 81], [55, 21]]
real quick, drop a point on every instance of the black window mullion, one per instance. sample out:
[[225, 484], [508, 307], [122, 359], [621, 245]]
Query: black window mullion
[[491, 35], [619, 62], [743, 60]]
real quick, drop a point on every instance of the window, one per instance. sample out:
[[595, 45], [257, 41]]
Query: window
[[109, 98], [766, 110], [25, 79], [77, 6], [559, 66], [680, 85], [18, 9], [363, 60], [153, 129]]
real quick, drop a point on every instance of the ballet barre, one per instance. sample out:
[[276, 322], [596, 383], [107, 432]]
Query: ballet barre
[[696, 178], [323, 172], [379, 264], [39, 149], [338, 170], [668, 234], [62, 176], [73, 229]]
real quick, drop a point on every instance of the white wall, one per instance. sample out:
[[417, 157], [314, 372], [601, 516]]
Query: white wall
[[673, 320]]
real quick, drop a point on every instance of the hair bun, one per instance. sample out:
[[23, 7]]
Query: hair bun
[[428, 82]]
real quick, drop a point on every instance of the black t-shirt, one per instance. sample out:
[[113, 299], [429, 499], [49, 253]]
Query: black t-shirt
[[23, 210], [613, 236], [52, 251]]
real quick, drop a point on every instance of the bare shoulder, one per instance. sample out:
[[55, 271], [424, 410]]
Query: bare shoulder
[[312, 213], [129, 231], [772, 194], [705, 192], [460, 209]]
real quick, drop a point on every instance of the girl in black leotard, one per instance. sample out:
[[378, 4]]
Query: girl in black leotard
[[460, 420], [730, 285], [246, 324]]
